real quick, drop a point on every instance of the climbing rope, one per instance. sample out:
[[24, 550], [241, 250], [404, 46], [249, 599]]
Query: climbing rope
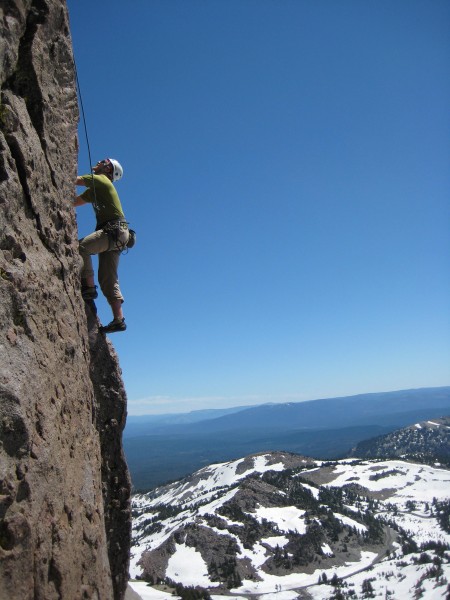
[[85, 128]]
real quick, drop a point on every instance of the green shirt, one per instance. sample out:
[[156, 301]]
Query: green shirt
[[105, 201]]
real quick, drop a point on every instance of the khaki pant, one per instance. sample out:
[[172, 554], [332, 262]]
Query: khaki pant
[[108, 260]]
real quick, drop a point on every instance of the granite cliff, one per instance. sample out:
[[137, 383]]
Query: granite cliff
[[64, 483]]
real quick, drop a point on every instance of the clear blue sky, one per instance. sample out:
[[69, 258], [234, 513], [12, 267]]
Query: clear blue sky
[[287, 171]]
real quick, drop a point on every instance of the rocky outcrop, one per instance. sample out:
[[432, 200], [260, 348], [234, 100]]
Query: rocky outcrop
[[64, 485], [110, 415]]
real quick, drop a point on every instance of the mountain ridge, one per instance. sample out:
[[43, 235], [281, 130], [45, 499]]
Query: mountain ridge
[[366, 405], [428, 441]]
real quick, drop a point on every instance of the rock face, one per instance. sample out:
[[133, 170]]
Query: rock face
[[64, 484]]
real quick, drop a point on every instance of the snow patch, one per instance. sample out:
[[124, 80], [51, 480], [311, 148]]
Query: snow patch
[[350, 522], [276, 540], [327, 550], [288, 518], [257, 555], [314, 491], [209, 509], [186, 565]]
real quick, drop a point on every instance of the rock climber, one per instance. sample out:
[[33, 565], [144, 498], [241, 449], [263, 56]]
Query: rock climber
[[109, 239]]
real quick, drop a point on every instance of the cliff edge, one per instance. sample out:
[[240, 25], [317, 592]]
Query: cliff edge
[[64, 484]]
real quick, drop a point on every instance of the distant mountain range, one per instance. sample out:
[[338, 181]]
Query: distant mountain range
[[282, 523], [145, 424], [167, 447]]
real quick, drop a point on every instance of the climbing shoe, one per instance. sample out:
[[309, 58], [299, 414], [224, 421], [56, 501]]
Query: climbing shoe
[[115, 325], [89, 293]]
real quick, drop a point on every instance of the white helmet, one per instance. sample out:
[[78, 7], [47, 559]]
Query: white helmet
[[117, 169]]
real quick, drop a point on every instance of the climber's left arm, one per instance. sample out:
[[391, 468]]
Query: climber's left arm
[[78, 201]]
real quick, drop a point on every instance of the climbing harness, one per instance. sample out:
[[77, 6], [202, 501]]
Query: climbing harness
[[113, 229]]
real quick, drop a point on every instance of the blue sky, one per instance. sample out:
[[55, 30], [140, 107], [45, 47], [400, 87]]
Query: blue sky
[[286, 170]]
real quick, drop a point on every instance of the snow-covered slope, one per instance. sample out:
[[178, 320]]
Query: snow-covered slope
[[281, 523]]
